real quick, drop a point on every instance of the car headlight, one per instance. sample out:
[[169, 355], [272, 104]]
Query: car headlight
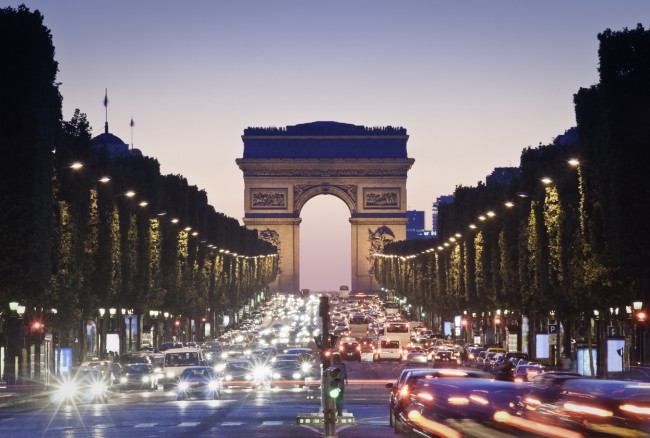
[[260, 372], [97, 388], [306, 367], [67, 390], [228, 376], [220, 367], [276, 375], [145, 379], [171, 374], [213, 385], [248, 376], [296, 375], [183, 386], [224, 355], [123, 380]]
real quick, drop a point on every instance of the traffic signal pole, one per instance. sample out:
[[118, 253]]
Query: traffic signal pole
[[328, 407]]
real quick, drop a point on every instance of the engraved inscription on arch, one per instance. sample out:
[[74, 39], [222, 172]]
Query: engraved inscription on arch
[[268, 199], [385, 198]]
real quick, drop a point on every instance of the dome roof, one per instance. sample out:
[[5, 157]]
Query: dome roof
[[113, 144], [106, 139]]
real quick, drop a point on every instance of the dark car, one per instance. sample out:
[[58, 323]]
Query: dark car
[[239, 373], [546, 388], [199, 381], [350, 351], [287, 373], [595, 407], [444, 358], [138, 376], [401, 391], [436, 400], [524, 373]]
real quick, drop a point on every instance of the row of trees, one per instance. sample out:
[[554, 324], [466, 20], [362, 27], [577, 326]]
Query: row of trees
[[575, 243], [71, 242]]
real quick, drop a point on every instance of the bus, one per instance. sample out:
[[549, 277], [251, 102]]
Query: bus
[[344, 292], [359, 325], [391, 308], [398, 330]]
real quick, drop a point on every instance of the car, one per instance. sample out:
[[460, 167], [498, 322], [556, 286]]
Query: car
[[524, 373], [239, 373], [107, 368], [595, 407], [350, 350], [547, 387], [444, 358], [416, 358], [401, 390], [138, 376], [201, 381], [89, 385], [434, 400], [175, 362], [287, 373]]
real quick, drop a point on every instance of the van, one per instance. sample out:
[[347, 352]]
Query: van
[[176, 361], [497, 350], [389, 349]]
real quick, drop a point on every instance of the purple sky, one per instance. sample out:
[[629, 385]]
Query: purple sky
[[473, 82]]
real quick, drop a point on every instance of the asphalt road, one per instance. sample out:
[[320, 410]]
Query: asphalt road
[[240, 413]]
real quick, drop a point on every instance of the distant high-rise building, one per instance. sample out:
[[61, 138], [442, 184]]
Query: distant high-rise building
[[447, 199], [415, 223], [502, 175]]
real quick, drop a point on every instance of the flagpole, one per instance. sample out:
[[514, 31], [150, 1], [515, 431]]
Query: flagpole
[[106, 109], [132, 132]]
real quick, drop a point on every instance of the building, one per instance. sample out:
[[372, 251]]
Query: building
[[415, 223], [447, 199]]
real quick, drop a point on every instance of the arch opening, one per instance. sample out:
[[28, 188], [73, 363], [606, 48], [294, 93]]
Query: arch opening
[[325, 241]]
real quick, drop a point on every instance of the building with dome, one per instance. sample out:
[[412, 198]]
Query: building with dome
[[113, 145]]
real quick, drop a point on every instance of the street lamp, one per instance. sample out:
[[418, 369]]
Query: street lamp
[[130, 312], [102, 332]]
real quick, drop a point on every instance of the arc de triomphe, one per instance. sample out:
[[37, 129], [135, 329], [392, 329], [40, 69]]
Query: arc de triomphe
[[364, 167]]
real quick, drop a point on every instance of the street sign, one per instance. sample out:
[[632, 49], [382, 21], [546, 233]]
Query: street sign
[[553, 329], [612, 331], [552, 339]]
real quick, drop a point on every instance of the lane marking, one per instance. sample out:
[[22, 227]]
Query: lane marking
[[232, 423], [145, 425], [189, 424], [272, 423]]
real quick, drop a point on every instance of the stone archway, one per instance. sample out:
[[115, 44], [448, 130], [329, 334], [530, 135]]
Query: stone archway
[[364, 167]]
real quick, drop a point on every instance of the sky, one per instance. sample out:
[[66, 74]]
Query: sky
[[473, 82]]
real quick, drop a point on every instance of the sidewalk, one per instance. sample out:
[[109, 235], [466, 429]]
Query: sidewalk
[[16, 396]]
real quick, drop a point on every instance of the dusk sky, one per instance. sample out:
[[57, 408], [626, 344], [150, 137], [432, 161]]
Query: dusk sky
[[473, 82]]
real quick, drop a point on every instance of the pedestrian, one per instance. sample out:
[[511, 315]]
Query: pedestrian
[[343, 375]]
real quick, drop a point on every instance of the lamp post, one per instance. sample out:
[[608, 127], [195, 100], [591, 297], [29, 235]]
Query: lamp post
[[11, 340], [102, 332], [130, 313], [166, 331], [153, 315]]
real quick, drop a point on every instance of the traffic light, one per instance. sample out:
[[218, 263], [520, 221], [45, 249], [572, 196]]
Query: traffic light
[[497, 321], [327, 358], [333, 384], [324, 307], [641, 316]]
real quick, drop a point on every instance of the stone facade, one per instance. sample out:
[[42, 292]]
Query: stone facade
[[284, 168]]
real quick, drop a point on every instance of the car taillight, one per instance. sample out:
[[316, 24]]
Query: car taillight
[[358, 348], [341, 348]]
